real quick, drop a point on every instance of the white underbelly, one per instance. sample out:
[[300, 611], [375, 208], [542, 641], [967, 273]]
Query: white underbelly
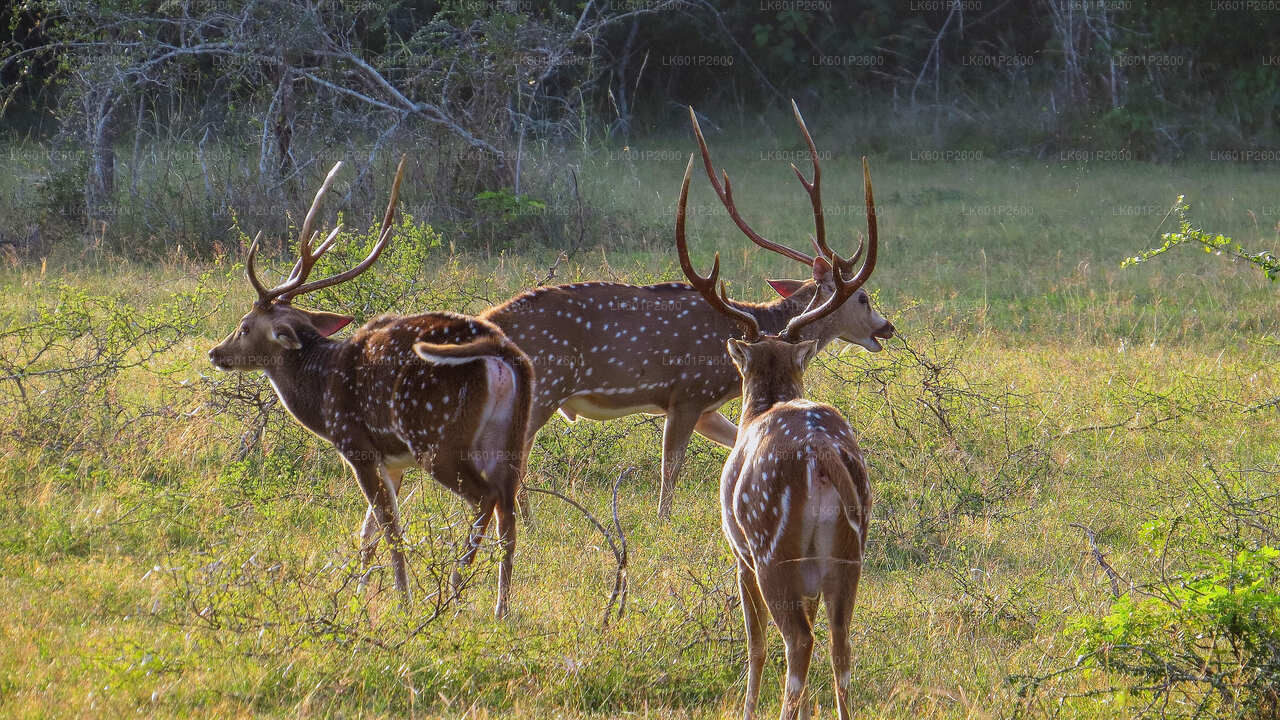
[[399, 462], [584, 406]]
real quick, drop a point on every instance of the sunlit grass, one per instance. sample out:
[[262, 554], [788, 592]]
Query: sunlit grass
[[162, 577]]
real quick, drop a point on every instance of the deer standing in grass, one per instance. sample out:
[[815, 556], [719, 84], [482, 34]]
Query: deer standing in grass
[[794, 495], [605, 350], [446, 392]]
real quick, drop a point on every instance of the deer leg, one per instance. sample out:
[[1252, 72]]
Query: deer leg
[[717, 428], [507, 530], [839, 590], [377, 485], [756, 620], [395, 532], [478, 528], [675, 441], [839, 609], [793, 614], [369, 536]]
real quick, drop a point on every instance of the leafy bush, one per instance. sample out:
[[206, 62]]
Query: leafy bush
[[1211, 633], [505, 220], [70, 367], [61, 193]]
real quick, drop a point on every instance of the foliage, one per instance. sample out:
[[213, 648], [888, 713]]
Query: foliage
[[1211, 632], [1214, 243], [506, 205], [398, 281], [505, 220], [242, 101], [65, 358]]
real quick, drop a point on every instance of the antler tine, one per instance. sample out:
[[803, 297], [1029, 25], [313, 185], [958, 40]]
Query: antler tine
[[851, 261], [328, 241], [251, 272], [304, 235], [814, 189], [706, 286], [725, 193], [384, 236], [873, 242], [845, 288]]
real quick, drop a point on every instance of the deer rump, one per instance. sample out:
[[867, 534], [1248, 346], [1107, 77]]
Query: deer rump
[[505, 378], [819, 525], [457, 401]]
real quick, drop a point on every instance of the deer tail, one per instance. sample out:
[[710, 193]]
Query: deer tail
[[450, 354], [849, 480], [495, 346]]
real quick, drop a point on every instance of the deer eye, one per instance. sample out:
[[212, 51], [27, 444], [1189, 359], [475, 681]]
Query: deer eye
[[863, 299], [244, 330]]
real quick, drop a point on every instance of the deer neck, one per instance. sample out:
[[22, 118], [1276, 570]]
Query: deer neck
[[301, 380], [759, 394]]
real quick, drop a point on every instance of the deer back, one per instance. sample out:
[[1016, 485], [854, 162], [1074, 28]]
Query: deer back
[[795, 486], [624, 345]]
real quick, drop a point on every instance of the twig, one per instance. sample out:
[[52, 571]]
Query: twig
[[619, 546], [620, 579], [1102, 559], [551, 271]]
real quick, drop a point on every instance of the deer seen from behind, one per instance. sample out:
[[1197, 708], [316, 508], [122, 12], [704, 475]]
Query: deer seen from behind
[[794, 496], [445, 392]]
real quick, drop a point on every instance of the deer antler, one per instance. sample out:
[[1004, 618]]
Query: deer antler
[[707, 285], [844, 288], [725, 193], [305, 257], [814, 189], [296, 283]]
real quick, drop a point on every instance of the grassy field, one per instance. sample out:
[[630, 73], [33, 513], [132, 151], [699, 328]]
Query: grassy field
[[158, 561]]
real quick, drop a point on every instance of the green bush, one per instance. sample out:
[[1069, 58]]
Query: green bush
[[1210, 634]]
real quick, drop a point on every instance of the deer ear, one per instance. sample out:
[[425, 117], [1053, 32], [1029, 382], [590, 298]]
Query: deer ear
[[327, 323], [285, 335], [738, 353], [806, 350], [821, 268], [785, 288]]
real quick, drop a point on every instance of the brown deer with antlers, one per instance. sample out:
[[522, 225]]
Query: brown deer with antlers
[[794, 495], [446, 392], [604, 350]]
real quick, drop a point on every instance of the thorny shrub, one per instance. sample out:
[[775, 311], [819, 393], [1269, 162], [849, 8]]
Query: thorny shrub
[[1199, 634]]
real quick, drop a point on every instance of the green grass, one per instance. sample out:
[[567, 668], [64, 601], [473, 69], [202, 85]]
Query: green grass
[[1036, 385]]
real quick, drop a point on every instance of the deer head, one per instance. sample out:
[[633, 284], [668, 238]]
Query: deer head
[[855, 322], [273, 328]]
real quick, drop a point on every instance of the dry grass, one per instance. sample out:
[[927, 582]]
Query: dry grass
[[157, 576]]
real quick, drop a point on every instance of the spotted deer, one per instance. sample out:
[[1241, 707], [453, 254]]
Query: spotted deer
[[445, 392], [794, 495], [605, 350]]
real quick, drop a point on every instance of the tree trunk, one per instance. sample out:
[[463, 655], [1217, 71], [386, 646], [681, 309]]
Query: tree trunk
[[284, 123], [100, 181]]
